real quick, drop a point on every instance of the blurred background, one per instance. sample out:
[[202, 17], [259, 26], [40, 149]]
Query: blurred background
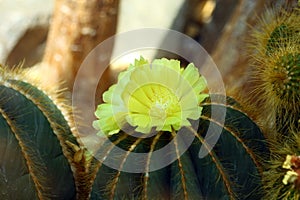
[[56, 35]]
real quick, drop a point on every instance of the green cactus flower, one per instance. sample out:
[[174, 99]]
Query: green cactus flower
[[159, 95]]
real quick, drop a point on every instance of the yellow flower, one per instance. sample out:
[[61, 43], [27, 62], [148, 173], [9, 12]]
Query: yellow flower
[[159, 95], [292, 163]]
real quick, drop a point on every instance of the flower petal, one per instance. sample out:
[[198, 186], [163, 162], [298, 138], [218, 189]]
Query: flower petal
[[163, 62], [191, 74]]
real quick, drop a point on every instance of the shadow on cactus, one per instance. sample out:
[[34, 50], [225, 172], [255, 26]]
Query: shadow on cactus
[[230, 170]]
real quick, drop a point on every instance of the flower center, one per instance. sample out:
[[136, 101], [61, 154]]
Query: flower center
[[159, 101], [158, 111]]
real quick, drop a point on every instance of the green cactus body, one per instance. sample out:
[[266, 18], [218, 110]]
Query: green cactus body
[[230, 171], [34, 159], [279, 35], [288, 90]]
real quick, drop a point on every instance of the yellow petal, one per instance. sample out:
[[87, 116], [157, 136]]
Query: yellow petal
[[191, 74]]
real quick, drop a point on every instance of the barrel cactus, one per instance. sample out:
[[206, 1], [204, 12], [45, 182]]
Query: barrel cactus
[[37, 144], [230, 168], [276, 69]]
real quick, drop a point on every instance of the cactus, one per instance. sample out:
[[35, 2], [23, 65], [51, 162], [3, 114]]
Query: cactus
[[276, 88], [232, 170], [276, 70], [36, 160]]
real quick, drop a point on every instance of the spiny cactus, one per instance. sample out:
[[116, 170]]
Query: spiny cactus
[[275, 52], [231, 170], [276, 88], [36, 144]]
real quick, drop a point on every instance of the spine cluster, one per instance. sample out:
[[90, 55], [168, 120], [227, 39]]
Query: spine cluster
[[275, 55]]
